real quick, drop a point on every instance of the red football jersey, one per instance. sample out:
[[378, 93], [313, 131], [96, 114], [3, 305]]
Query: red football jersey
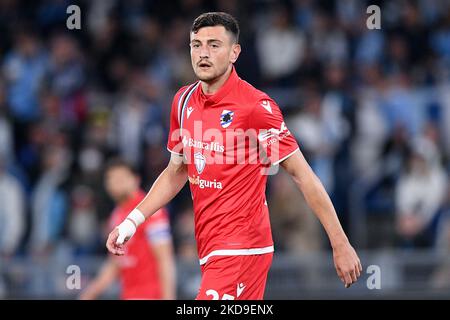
[[229, 140], [138, 267]]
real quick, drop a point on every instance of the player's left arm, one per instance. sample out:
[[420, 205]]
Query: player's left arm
[[346, 261], [281, 147]]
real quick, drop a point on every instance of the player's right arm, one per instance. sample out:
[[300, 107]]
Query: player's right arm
[[164, 189]]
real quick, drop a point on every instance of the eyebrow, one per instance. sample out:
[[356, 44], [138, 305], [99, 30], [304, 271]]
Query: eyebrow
[[208, 41]]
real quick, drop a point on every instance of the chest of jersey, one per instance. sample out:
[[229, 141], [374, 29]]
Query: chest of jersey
[[214, 140]]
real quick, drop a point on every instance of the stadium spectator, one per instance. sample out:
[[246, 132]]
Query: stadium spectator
[[24, 69], [12, 212], [83, 221], [441, 275], [419, 194], [6, 132], [281, 33], [49, 202]]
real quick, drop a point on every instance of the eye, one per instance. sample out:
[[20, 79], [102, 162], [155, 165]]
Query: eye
[[215, 46], [195, 45]]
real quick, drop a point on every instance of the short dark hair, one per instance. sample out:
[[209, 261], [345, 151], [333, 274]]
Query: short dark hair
[[211, 19], [114, 163]]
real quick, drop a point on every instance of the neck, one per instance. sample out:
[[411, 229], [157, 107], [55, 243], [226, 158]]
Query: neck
[[211, 87]]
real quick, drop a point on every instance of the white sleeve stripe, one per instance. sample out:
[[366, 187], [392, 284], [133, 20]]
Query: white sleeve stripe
[[284, 158], [180, 100], [185, 103]]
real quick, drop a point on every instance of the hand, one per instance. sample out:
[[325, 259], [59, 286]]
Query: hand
[[347, 264], [112, 245], [119, 236], [123, 232]]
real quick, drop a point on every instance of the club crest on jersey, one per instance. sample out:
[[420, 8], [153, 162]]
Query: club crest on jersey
[[199, 161], [226, 118]]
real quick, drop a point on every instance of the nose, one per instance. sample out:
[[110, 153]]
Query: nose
[[204, 52]]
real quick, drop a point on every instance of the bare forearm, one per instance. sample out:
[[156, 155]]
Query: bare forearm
[[319, 201], [346, 261], [165, 188], [316, 197]]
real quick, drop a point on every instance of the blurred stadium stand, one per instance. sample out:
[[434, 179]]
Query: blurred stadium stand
[[370, 110]]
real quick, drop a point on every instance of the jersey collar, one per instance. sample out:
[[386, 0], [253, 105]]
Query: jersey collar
[[215, 98]]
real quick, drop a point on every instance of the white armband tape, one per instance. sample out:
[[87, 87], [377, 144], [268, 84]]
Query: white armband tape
[[137, 216], [128, 226]]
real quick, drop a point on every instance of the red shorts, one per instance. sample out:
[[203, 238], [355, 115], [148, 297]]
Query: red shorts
[[235, 277]]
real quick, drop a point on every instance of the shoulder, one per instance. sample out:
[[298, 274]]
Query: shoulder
[[179, 97], [181, 90], [261, 107], [251, 94], [252, 97], [184, 90]]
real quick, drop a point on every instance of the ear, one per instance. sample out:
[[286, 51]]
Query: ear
[[235, 51]]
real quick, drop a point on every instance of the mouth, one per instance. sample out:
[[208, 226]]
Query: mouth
[[204, 65]]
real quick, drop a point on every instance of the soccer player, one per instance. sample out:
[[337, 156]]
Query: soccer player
[[147, 269], [215, 124]]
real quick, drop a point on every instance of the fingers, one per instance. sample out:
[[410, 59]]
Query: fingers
[[112, 244], [121, 238], [354, 276], [348, 279], [358, 268], [357, 272], [347, 264], [340, 275], [351, 276]]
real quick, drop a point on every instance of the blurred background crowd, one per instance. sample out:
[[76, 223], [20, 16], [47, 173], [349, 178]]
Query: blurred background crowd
[[369, 108]]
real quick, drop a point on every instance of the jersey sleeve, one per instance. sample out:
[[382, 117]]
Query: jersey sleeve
[[274, 138], [174, 143], [157, 227]]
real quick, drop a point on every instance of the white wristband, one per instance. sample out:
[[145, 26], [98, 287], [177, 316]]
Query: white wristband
[[137, 217], [128, 227]]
